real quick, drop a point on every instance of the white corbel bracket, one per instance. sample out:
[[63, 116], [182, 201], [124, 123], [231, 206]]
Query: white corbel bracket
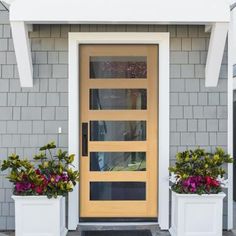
[[23, 52], [218, 37]]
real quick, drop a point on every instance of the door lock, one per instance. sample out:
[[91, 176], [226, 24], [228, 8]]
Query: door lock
[[84, 139]]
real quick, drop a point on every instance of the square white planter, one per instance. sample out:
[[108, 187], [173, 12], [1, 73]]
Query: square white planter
[[39, 216], [196, 215]]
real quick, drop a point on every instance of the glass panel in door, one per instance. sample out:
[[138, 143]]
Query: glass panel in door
[[117, 161], [118, 99], [117, 130], [107, 67]]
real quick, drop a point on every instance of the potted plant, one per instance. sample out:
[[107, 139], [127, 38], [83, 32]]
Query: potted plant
[[197, 197], [39, 190]]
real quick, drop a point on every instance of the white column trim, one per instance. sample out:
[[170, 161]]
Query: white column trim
[[73, 138], [75, 39], [231, 82]]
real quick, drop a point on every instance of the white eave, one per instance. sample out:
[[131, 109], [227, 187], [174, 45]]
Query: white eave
[[213, 13]]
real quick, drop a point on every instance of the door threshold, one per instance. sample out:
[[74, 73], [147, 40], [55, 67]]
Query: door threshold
[[117, 224], [118, 219]]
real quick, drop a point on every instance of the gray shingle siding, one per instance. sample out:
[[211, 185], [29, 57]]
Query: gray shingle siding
[[30, 117]]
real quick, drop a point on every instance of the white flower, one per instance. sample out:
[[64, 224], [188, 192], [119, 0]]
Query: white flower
[[223, 182], [173, 178]]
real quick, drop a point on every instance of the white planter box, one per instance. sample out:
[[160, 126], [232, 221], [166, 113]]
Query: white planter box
[[196, 215], [39, 216]]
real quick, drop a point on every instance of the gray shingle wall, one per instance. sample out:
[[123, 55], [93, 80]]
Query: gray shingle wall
[[30, 117]]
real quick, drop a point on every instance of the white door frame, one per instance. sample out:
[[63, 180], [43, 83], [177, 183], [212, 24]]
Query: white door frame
[[162, 39]]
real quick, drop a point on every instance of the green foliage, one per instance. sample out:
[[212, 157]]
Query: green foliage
[[200, 163], [199, 169], [50, 175]]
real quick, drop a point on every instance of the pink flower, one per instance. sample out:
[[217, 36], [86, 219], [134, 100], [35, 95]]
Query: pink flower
[[186, 183], [192, 183], [22, 187], [39, 190], [57, 178]]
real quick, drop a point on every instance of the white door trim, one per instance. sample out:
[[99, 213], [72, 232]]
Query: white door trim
[[162, 39]]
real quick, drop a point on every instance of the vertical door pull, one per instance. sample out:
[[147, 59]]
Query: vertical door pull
[[84, 139]]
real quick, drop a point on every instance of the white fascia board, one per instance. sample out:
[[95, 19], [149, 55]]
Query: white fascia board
[[216, 48], [23, 53], [120, 12]]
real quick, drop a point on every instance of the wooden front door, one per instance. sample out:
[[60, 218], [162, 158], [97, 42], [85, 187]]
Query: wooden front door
[[118, 131]]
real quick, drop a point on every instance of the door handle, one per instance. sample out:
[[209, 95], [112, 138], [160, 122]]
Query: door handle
[[84, 139]]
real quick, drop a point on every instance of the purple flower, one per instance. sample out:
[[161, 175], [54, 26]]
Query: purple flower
[[21, 187], [192, 183], [57, 178], [186, 182], [64, 177], [193, 190]]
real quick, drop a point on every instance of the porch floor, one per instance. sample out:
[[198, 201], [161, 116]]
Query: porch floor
[[127, 233], [132, 233], [120, 233]]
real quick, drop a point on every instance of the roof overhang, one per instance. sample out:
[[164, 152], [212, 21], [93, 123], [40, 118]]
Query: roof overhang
[[213, 13], [120, 11]]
